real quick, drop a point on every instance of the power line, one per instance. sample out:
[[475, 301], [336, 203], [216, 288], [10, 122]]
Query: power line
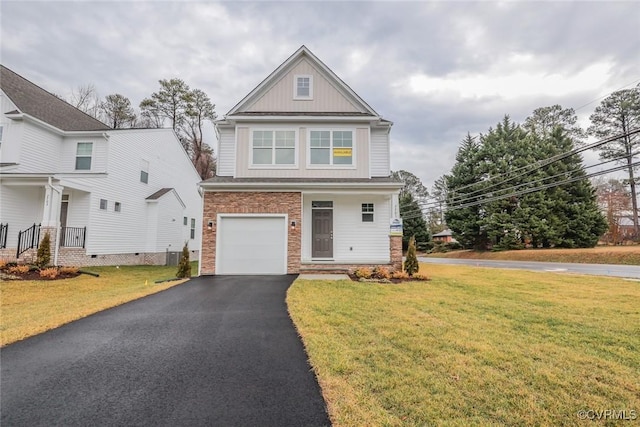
[[532, 190]]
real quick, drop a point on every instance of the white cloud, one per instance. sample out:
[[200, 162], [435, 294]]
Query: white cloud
[[517, 78]]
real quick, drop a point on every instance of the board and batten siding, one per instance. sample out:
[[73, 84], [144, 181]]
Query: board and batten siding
[[380, 152], [21, 207], [226, 151], [244, 170], [111, 232], [354, 241], [325, 95]]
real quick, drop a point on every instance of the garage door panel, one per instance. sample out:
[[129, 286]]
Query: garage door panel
[[252, 245]]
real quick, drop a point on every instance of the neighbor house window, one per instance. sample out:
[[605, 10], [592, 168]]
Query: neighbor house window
[[83, 155], [274, 147], [193, 228], [116, 207], [328, 147], [144, 171], [367, 212], [184, 220], [103, 204], [303, 87]]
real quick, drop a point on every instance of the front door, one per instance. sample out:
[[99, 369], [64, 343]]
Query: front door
[[322, 233]]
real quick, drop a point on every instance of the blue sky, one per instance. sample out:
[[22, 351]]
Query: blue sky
[[436, 69]]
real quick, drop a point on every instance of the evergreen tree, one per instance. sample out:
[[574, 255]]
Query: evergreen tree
[[184, 267], [117, 111], [43, 256], [413, 222], [411, 265]]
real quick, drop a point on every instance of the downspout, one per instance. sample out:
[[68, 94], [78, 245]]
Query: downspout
[[57, 244]]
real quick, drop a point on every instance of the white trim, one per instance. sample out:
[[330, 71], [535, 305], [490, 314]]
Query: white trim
[[296, 148], [297, 97], [369, 142], [303, 118], [331, 166], [285, 216]]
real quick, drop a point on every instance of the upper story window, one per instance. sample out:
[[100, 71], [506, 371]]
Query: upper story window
[[303, 87], [331, 148], [83, 156], [144, 171], [1, 128], [273, 147]]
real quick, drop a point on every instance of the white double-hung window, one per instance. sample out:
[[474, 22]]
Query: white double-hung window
[[273, 148], [331, 148], [303, 87]]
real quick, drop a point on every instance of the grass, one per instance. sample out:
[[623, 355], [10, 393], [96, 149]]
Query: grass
[[472, 347], [31, 307], [629, 255]]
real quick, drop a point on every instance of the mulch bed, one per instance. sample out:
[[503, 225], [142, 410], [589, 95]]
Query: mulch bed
[[392, 280], [32, 274]]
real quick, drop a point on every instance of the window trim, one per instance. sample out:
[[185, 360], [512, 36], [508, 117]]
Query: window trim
[[273, 165], [364, 212], [192, 232], [84, 156], [331, 129], [297, 97]]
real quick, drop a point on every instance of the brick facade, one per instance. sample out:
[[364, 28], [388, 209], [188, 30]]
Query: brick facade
[[289, 203], [395, 246]]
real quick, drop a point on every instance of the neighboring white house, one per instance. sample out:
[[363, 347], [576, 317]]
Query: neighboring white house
[[303, 181], [106, 196]]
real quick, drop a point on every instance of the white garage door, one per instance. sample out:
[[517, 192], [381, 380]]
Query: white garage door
[[252, 245]]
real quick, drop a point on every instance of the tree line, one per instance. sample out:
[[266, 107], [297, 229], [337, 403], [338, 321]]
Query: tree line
[[175, 104], [502, 192]]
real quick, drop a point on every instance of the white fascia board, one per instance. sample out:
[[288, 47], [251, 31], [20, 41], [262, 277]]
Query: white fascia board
[[304, 118], [300, 186]]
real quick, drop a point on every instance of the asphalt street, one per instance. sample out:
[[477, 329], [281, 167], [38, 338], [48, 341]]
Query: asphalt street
[[628, 271], [215, 351]]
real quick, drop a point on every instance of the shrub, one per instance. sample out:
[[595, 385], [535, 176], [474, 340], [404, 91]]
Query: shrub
[[18, 269], [425, 246], [44, 251], [453, 246], [68, 270], [362, 273], [419, 276], [49, 273], [402, 275], [3, 263], [411, 263], [184, 267], [381, 273]]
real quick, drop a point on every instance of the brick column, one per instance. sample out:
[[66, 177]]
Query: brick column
[[395, 247]]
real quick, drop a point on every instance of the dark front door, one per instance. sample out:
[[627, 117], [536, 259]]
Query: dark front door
[[322, 233]]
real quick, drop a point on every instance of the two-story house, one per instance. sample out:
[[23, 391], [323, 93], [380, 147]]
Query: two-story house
[[105, 196], [303, 179]]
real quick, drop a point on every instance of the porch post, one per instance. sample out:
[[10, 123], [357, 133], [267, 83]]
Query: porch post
[[395, 239]]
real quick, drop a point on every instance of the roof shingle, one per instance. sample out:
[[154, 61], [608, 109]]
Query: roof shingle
[[37, 102]]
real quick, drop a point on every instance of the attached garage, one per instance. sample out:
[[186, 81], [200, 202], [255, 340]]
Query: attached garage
[[251, 244]]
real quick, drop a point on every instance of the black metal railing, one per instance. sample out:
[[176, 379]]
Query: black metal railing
[[28, 239], [73, 237], [3, 235]]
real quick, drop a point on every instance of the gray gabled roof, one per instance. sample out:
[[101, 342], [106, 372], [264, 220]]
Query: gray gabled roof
[[31, 99], [159, 193]]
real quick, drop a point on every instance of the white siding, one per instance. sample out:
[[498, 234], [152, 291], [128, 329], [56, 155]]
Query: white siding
[[39, 150], [11, 132], [354, 241], [325, 95], [99, 154], [78, 213], [21, 207], [243, 158], [226, 152], [112, 232], [380, 152], [169, 228]]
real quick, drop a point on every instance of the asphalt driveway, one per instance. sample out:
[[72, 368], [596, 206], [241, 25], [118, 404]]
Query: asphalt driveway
[[216, 351]]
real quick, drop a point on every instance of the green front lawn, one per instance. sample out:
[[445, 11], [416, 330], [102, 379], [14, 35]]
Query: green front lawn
[[472, 347], [30, 307]]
